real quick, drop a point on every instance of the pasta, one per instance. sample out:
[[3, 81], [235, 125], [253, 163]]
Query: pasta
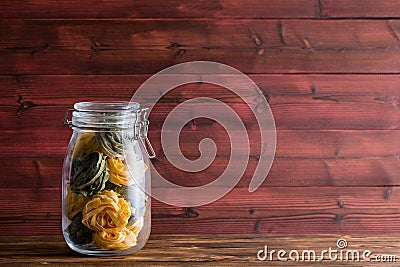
[[123, 239], [106, 212], [74, 203], [111, 144], [89, 174], [118, 173], [85, 143]]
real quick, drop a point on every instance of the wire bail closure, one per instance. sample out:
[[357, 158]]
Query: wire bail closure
[[141, 128], [66, 122]]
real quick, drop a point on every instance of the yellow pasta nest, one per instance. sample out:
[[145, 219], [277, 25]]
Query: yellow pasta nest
[[123, 239], [85, 143], [118, 173], [74, 203], [106, 212]]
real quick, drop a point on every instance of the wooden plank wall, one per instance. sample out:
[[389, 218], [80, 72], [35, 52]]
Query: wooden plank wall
[[330, 69]]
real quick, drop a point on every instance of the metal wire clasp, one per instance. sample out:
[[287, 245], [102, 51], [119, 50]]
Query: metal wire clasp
[[66, 121], [140, 131]]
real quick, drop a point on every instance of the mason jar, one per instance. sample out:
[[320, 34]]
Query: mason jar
[[106, 179]]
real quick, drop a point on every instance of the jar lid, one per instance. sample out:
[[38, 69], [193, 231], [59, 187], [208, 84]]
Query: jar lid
[[100, 106], [106, 115]]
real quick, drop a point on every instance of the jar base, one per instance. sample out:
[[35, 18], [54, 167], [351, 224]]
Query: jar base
[[90, 250]]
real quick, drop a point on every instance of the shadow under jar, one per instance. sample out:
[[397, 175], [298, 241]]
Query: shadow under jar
[[105, 208]]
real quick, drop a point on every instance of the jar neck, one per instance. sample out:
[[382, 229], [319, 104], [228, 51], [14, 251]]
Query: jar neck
[[112, 116]]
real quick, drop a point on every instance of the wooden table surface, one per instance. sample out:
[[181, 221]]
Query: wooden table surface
[[195, 250]]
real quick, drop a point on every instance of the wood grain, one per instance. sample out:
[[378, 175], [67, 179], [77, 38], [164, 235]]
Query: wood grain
[[291, 144], [297, 101], [52, 89], [290, 113], [157, 9], [45, 172], [195, 250], [268, 210], [203, 9], [360, 8], [44, 36], [274, 60], [123, 47], [182, 250]]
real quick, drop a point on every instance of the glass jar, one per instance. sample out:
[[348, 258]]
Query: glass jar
[[105, 208]]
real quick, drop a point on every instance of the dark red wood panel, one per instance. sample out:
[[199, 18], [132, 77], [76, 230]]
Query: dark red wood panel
[[289, 113], [53, 89], [200, 9], [157, 9], [341, 158], [291, 144], [254, 46], [36, 171], [268, 60], [360, 8], [41, 36], [329, 69], [269, 210]]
